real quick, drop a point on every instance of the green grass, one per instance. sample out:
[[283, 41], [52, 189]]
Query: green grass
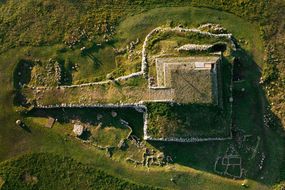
[[141, 24], [109, 136], [174, 121], [248, 107], [99, 61], [22, 73], [49, 171]]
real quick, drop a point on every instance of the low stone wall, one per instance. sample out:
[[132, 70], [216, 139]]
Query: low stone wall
[[122, 78], [135, 105], [140, 105], [214, 76], [145, 135], [144, 66], [72, 86], [229, 35], [194, 47], [187, 140], [133, 75]]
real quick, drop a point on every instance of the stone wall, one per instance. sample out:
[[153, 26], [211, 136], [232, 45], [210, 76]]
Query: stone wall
[[140, 105]]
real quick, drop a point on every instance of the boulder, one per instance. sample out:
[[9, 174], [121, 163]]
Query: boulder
[[114, 114], [78, 129]]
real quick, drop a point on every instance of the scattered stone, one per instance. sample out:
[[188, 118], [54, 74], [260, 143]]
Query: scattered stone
[[114, 114], [122, 144], [123, 122], [213, 28], [161, 156], [50, 122], [244, 185], [29, 179], [109, 151], [99, 117], [19, 123], [194, 47], [100, 125], [78, 129], [109, 76]]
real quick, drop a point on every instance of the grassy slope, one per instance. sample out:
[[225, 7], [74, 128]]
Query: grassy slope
[[13, 140], [131, 28], [48, 171]]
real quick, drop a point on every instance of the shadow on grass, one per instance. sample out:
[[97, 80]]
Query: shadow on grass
[[86, 135], [26, 128], [22, 73], [95, 50], [94, 116]]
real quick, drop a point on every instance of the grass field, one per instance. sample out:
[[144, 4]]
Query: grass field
[[166, 121], [98, 61], [195, 170], [49, 171]]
